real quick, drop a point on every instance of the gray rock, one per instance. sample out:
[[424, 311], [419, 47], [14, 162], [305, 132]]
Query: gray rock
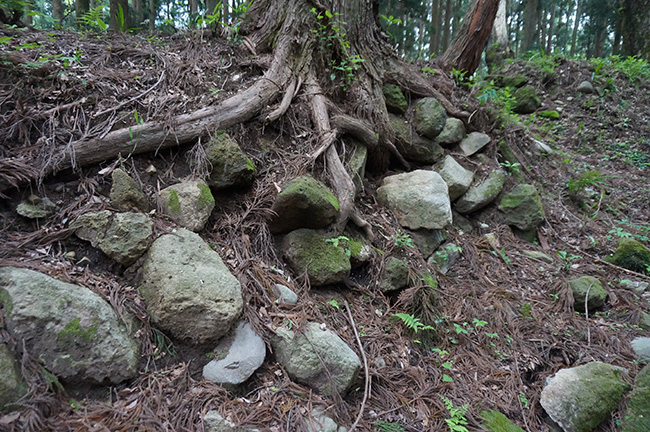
[[395, 100], [644, 321], [36, 207], [318, 358], [526, 100], [474, 142], [522, 207], [12, 385], [188, 203], [214, 422], [641, 347], [597, 295], [419, 199], [427, 241], [230, 165], [236, 357], [396, 275], [637, 416], [458, 179], [124, 237], [318, 421], [639, 287], [541, 148], [307, 251], [303, 203], [126, 193], [284, 294], [461, 222], [481, 195], [444, 259], [74, 333], [188, 289], [411, 145], [537, 255], [580, 398], [430, 117], [452, 133], [585, 87]]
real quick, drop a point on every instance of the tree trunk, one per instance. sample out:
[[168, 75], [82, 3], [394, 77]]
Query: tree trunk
[[551, 26], [636, 29], [138, 12], [446, 30], [192, 10], [465, 51], [434, 28], [576, 24], [530, 26], [500, 28], [81, 7], [153, 13], [57, 12], [119, 15]]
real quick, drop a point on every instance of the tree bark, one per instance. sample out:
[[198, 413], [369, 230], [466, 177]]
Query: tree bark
[[81, 7], [153, 13], [138, 12], [434, 28], [57, 12], [576, 24], [500, 28], [465, 51], [530, 25], [446, 31], [551, 26]]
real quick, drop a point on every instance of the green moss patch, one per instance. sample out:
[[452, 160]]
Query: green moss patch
[[5, 302], [205, 197], [549, 114], [174, 202], [74, 333], [497, 422], [631, 255]]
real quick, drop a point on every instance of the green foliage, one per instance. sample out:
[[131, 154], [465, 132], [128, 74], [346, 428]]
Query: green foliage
[[589, 178], [402, 239], [174, 202], [410, 321], [94, 18], [567, 258], [502, 254], [334, 304], [512, 168], [502, 99], [121, 18], [389, 21], [457, 420], [383, 426], [164, 345]]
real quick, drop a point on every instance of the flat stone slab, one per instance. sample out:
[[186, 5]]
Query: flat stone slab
[[474, 142]]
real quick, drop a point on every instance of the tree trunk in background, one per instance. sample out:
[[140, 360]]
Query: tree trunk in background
[[636, 28], [138, 12], [500, 27], [119, 15], [192, 9], [81, 7], [225, 16], [465, 51], [153, 13], [27, 18], [576, 23], [446, 30], [434, 28], [530, 26], [551, 27], [57, 12]]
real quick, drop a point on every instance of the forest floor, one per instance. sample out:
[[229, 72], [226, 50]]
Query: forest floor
[[503, 322]]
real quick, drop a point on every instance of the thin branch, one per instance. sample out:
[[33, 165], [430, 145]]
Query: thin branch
[[366, 387], [132, 99]]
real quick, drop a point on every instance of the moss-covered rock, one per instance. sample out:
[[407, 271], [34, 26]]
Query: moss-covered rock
[[430, 117], [188, 203], [303, 203], [526, 100], [637, 416], [35, 207], [395, 100], [597, 294], [479, 196], [522, 207], [580, 398], [396, 275], [631, 255], [453, 132], [126, 193], [324, 261], [513, 81], [230, 165], [411, 145], [497, 422], [12, 385]]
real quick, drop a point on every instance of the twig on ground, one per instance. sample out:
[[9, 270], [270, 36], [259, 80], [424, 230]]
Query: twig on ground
[[366, 388]]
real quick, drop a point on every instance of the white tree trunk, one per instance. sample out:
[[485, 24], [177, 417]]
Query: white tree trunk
[[500, 28]]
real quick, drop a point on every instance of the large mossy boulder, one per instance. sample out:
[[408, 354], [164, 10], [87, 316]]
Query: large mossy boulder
[[637, 416], [230, 167], [303, 203], [395, 100], [479, 196], [580, 398], [526, 100], [123, 237], [72, 331], [324, 261], [413, 146], [126, 194], [590, 289], [188, 289], [631, 255], [318, 357], [430, 117], [419, 199], [522, 207], [188, 203], [12, 385]]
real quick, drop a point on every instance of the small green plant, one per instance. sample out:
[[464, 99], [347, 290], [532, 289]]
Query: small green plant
[[589, 178], [389, 21], [402, 239], [512, 168], [502, 254], [93, 18], [523, 400], [567, 258], [164, 345], [456, 421], [525, 310], [334, 304], [411, 322]]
